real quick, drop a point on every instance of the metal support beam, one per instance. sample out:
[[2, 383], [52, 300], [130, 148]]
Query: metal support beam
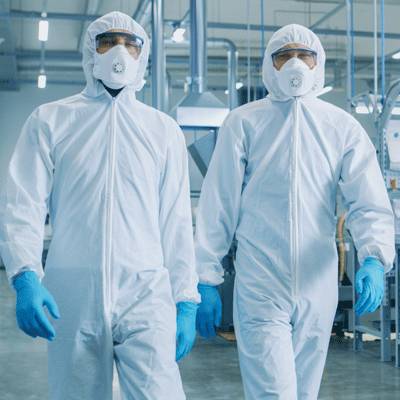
[[327, 16], [375, 16], [157, 55], [74, 58], [198, 46], [210, 25], [383, 71], [52, 15], [318, 31], [92, 7], [8, 59], [349, 53], [143, 13], [397, 304], [385, 324]]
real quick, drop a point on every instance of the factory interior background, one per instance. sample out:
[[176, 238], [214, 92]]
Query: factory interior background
[[361, 39]]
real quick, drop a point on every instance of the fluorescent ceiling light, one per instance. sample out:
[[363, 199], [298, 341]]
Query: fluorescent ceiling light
[[178, 36], [42, 80], [396, 56], [396, 111], [43, 30], [2, 40]]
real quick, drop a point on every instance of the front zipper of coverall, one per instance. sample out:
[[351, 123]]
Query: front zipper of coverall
[[109, 200], [294, 200]]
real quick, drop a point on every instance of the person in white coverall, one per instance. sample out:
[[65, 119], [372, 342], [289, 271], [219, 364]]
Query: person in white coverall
[[113, 175], [272, 183]]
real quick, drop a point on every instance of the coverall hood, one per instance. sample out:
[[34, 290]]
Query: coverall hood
[[292, 33], [112, 20]]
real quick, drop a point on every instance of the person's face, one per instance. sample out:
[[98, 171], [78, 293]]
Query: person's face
[[303, 53], [115, 37]]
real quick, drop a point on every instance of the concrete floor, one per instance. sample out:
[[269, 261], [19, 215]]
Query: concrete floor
[[211, 371]]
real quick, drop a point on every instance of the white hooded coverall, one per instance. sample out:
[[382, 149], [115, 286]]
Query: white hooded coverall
[[272, 182], [113, 174]]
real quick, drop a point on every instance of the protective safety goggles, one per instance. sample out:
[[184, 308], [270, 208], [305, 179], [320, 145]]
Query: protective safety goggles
[[308, 56], [133, 43]]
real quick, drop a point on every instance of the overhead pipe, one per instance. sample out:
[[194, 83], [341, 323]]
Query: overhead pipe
[[232, 56], [198, 46], [327, 16], [211, 25], [67, 55], [182, 22], [54, 80], [198, 52], [210, 111], [273, 28], [158, 68], [185, 19], [143, 13]]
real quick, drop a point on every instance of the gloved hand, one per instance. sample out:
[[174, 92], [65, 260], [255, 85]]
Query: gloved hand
[[210, 310], [185, 328], [369, 286], [31, 297]]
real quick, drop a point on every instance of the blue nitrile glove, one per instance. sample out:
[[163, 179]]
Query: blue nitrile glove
[[185, 328], [210, 310], [369, 286], [31, 297]]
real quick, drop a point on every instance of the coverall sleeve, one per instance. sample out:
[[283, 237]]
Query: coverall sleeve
[[370, 217], [24, 200], [219, 205], [176, 221]]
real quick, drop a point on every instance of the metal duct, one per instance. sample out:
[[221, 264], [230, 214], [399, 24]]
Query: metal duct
[[199, 109], [232, 67], [198, 46]]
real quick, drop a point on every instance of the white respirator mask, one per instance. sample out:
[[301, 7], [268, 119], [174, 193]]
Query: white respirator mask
[[116, 68], [295, 78]]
